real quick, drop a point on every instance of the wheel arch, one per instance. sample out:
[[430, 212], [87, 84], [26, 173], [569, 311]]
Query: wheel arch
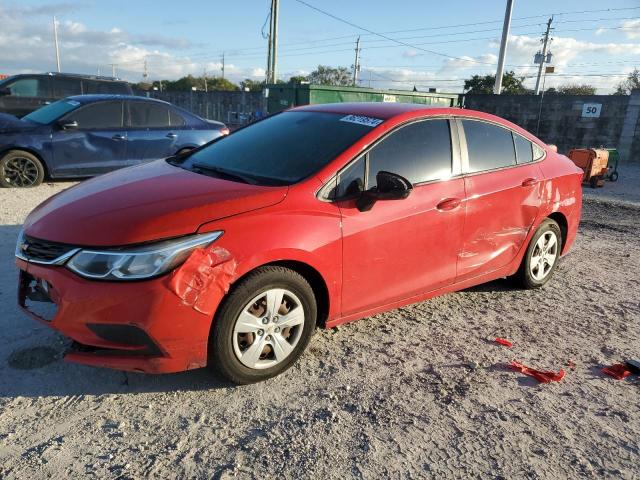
[[563, 223], [35, 153]]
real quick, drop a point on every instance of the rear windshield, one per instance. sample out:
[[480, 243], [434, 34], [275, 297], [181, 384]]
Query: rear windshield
[[283, 149], [48, 114]]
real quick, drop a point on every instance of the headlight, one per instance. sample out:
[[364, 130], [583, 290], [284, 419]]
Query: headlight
[[136, 263]]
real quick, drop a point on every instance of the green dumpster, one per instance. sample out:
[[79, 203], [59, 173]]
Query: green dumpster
[[283, 96]]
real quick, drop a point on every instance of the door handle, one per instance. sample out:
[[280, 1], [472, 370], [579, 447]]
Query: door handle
[[117, 136], [529, 182], [172, 135], [449, 204]]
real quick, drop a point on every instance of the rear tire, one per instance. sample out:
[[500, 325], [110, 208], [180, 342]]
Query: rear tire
[[20, 169], [542, 256], [263, 325]]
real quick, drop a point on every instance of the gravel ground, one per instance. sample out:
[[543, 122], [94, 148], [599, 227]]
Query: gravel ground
[[421, 391]]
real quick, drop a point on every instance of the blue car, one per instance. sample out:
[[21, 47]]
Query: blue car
[[88, 135]]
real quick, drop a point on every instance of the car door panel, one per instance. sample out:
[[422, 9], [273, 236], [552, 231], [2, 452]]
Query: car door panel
[[92, 148], [401, 248], [502, 205], [150, 135]]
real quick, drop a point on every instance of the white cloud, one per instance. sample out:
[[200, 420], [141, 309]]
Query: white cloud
[[26, 45]]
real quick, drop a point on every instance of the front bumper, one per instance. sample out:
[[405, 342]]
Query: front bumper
[[136, 326]]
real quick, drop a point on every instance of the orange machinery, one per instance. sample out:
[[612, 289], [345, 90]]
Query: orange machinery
[[594, 162]]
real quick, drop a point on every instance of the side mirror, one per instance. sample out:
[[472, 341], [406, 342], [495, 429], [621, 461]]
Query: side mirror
[[5, 91], [390, 186], [67, 125]]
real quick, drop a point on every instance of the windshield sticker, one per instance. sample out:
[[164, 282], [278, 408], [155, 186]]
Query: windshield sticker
[[362, 120]]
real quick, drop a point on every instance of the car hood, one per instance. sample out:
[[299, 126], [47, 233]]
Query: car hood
[[143, 203], [10, 124]]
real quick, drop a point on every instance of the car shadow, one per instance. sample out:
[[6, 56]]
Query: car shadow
[[500, 285]]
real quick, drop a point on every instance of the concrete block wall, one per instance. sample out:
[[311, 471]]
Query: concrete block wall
[[561, 121]]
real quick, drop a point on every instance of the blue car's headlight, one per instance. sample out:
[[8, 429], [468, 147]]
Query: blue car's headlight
[[137, 263]]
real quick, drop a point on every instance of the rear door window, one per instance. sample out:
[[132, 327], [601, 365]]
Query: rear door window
[[420, 152], [98, 116], [524, 149], [66, 87], [175, 119], [148, 115], [488, 146]]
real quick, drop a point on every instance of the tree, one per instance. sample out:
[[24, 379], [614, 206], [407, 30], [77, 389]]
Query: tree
[[298, 79], [631, 83], [574, 89], [252, 85], [484, 84], [325, 75]]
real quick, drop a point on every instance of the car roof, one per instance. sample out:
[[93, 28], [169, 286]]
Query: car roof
[[98, 97], [373, 109]]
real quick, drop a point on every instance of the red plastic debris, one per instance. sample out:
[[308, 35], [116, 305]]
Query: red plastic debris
[[619, 371], [504, 341], [543, 376]]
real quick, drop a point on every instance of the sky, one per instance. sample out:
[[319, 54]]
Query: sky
[[403, 43]]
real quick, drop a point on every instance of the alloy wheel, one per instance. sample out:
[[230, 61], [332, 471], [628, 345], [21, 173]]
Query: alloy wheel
[[21, 172], [268, 328], [544, 255]]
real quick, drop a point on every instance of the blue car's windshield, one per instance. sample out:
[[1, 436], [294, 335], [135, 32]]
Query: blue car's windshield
[[283, 149], [48, 114]]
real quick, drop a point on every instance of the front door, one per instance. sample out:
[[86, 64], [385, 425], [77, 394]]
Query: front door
[[402, 248], [98, 143], [503, 197]]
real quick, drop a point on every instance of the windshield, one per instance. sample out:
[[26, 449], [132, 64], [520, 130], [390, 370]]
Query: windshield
[[283, 149], [48, 114]]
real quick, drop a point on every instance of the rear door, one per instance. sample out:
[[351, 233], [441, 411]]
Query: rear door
[[96, 146], [503, 196], [150, 135], [402, 248]]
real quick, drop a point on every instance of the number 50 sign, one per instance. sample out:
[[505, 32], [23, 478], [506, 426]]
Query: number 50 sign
[[591, 110]]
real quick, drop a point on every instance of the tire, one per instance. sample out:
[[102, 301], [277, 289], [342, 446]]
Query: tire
[[245, 318], [529, 274], [20, 169]]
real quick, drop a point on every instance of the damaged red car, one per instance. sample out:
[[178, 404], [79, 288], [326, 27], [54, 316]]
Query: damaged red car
[[231, 255]]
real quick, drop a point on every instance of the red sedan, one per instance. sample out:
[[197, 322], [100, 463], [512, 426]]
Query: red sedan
[[231, 255]]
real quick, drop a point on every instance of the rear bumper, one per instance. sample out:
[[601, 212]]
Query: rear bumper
[[136, 326]]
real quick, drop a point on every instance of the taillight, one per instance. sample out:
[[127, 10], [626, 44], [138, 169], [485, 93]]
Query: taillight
[[224, 131]]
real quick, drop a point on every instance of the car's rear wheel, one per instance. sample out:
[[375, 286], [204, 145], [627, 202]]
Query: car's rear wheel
[[20, 169], [542, 256], [263, 325]]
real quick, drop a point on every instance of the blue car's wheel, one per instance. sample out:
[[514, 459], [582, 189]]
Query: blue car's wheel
[[20, 169]]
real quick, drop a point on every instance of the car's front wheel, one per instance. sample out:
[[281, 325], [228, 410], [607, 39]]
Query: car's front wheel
[[20, 169], [542, 256], [263, 325]]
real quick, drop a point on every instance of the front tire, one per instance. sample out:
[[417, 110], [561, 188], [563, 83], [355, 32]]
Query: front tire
[[263, 325], [542, 256], [20, 169]]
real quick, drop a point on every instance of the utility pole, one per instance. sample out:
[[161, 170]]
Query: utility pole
[[145, 73], [55, 39], [497, 86], [544, 55], [204, 75], [223, 65], [273, 43], [356, 65]]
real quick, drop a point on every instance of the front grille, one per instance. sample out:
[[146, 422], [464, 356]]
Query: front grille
[[38, 250]]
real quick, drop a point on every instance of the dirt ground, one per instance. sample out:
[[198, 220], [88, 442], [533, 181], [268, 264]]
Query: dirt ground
[[421, 391]]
